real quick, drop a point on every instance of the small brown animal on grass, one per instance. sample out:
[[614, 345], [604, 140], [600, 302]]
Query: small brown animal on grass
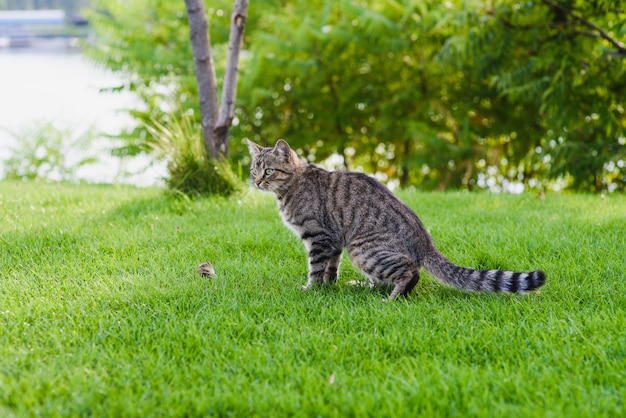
[[206, 270]]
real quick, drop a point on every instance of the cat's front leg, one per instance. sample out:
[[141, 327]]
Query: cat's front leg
[[323, 262], [332, 269]]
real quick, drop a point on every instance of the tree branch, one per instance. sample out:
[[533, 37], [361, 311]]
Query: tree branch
[[621, 47], [229, 92]]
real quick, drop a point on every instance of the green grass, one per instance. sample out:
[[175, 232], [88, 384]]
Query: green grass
[[102, 312]]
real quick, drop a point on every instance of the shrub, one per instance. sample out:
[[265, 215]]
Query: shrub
[[191, 172]]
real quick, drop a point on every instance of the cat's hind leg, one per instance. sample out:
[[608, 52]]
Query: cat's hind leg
[[404, 286], [390, 268]]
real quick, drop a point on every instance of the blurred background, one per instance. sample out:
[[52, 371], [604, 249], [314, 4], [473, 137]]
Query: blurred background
[[56, 119], [499, 95]]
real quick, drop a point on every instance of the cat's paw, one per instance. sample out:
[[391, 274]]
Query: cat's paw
[[305, 287]]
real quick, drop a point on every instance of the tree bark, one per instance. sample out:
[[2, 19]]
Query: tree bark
[[229, 92], [205, 72], [215, 123]]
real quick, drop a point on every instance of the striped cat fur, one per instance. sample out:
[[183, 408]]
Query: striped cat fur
[[333, 210]]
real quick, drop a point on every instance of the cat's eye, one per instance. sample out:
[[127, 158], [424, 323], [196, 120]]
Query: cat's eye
[[253, 172], [268, 171]]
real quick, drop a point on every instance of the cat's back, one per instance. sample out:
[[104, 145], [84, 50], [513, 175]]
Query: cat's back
[[355, 206], [323, 193], [361, 205], [344, 187]]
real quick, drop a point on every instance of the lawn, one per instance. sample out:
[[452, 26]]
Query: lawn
[[102, 312]]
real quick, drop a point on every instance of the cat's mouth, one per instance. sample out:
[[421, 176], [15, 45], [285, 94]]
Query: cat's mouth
[[262, 186]]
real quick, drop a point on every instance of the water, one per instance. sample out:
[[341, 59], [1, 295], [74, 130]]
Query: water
[[61, 86]]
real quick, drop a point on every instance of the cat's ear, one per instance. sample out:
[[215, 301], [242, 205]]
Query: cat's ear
[[282, 148], [255, 149]]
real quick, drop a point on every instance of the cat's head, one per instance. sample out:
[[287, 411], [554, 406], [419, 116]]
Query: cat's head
[[271, 169]]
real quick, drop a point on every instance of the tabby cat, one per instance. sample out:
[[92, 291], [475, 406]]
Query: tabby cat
[[334, 210]]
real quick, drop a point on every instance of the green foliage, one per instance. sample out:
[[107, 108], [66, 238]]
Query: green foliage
[[456, 94], [371, 83], [561, 65], [103, 314], [190, 171], [47, 152]]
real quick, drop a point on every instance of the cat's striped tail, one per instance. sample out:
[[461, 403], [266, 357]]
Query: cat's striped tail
[[482, 280]]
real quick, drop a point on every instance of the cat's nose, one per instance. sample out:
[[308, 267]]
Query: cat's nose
[[257, 182]]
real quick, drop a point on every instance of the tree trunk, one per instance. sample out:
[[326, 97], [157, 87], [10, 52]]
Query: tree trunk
[[215, 123], [229, 92], [205, 72]]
